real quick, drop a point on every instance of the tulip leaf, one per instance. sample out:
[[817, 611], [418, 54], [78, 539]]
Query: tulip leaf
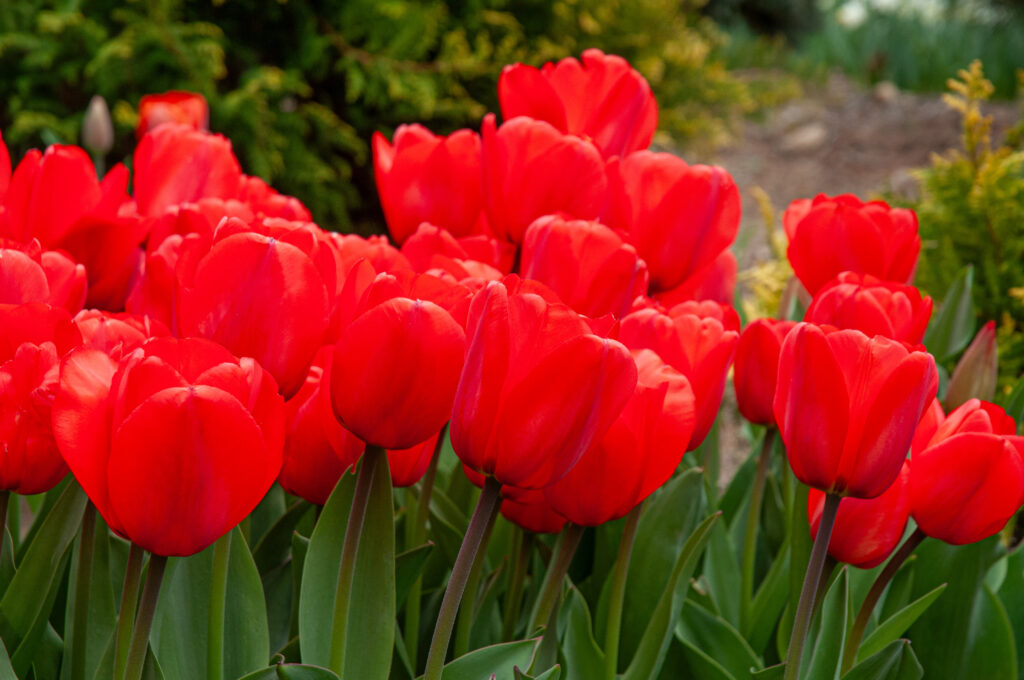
[[584, 659], [770, 673], [831, 633], [953, 327], [656, 638], [408, 567], [272, 548], [992, 655], [287, 671], [715, 637], [25, 607], [799, 554], [320, 575], [737, 495], [41, 505], [722, 574], [897, 595], [700, 665], [894, 662], [181, 629], [6, 670], [496, 661], [101, 618], [553, 673], [769, 601], [47, 661], [669, 517], [894, 626], [1011, 594]]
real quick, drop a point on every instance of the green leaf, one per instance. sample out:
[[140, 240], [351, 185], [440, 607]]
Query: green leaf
[[26, 605], [102, 615], [715, 637], [893, 627], [897, 595], [658, 633], [6, 671], [722, 574], [992, 654], [737, 494], [669, 518], [553, 673], [495, 661], [828, 647], [953, 327], [408, 566], [799, 554], [1011, 594], [320, 575], [769, 601], [272, 548], [1014, 402], [772, 672], [287, 671], [894, 662], [584, 659], [181, 624], [702, 666]]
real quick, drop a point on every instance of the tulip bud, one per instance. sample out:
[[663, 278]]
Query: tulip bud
[[97, 128], [975, 375]]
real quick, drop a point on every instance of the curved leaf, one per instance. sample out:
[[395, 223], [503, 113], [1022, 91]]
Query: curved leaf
[[893, 627]]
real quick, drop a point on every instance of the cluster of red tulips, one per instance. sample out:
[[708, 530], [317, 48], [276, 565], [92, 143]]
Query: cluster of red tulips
[[554, 301]]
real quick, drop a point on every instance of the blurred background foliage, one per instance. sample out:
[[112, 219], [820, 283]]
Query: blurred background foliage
[[300, 85]]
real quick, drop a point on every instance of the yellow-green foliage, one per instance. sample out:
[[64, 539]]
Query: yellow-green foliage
[[972, 212], [299, 85]]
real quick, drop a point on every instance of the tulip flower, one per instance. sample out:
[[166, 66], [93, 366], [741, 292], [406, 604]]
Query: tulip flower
[[866, 530], [423, 177], [701, 348], [376, 250], [679, 217], [182, 108], [538, 387], [585, 263], [828, 236], [30, 274], [603, 99], [968, 480], [5, 168], [175, 443], [530, 510], [715, 281], [432, 249], [756, 371], [410, 464], [638, 454], [864, 303], [530, 169], [265, 201], [977, 371], [847, 405], [116, 334]]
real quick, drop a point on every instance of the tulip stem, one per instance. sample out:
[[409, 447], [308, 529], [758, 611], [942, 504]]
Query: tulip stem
[[347, 566], [464, 623], [416, 533], [144, 621], [218, 603], [805, 608], [129, 600], [749, 558], [618, 593], [877, 588], [5, 499], [521, 544], [568, 541], [483, 516], [83, 578]]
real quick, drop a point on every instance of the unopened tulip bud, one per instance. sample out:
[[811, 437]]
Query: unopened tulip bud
[[97, 128], [975, 375]]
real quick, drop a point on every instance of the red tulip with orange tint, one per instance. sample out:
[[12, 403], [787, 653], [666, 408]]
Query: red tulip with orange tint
[[433, 249], [866, 530], [715, 281], [863, 302], [603, 99], [538, 387], [183, 108], [30, 274], [847, 406], [529, 509], [175, 444], [830, 235], [756, 371]]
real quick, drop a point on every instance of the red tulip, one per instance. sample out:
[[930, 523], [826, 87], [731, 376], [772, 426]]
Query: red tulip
[[396, 366], [427, 178], [968, 481], [680, 217], [30, 274], [701, 348], [603, 99], [847, 405], [638, 454], [182, 108], [116, 334], [409, 465], [538, 387], [175, 444], [433, 249], [864, 303], [265, 201], [585, 263], [756, 372], [5, 169], [828, 236], [708, 309], [32, 338], [530, 169], [176, 164], [530, 510], [715, 281], [376, 250], [866, 531]]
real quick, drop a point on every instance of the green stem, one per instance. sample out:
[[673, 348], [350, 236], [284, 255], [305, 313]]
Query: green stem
[[568, 541], [14, 522], [416, 533], [346, 568], [749, 558], [129, 600], [467, 613], [83, 578], [144, 621], [521, 544], [618, 594], [218, 603], [484, 515], [5, 499], [805, 607], [877, 588]]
